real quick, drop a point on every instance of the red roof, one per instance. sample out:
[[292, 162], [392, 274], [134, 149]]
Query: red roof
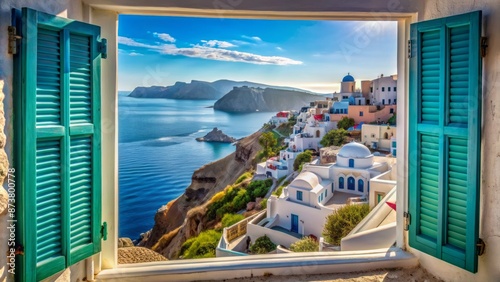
[[282, 114], [318, 117]]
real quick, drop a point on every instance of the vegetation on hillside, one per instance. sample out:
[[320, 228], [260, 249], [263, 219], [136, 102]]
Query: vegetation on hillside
[[263, 245], [229, 219], [306, 244], [235, 198], [302, 158], [334, 137], [201, 246], [342, 221], [345, 123], [268, 141]]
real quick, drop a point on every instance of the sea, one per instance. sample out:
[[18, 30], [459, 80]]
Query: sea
[[158, 152]]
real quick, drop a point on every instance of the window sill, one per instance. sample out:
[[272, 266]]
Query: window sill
[[258, 265]]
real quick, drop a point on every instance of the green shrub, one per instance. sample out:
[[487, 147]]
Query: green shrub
[[303, 157], [278, 191], [243, 177], [263, 245], [306, 244], [334, 137], [342, 221], [241, 200], [230, 218], [345, 123], [263, 204], [201, 246]]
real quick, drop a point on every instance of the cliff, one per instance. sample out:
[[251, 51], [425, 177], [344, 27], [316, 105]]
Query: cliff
[[248, 99], [197, 90], [216, 135], [184, 217]]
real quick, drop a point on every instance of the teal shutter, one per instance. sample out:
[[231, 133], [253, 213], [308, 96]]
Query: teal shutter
[[444, 138], [58, 154]]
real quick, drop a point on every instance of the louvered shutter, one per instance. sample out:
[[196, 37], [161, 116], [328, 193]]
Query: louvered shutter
[[444, 138], [58, 156]]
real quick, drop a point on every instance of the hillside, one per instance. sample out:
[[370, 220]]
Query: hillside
[[247, 99], [198, 90], [184, 217]]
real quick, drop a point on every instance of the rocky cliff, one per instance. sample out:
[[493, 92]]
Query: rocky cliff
[[184, 217], [249, 99], [216, 135], [197, 89]]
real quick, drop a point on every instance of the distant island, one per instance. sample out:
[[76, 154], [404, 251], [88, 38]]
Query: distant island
[[248, 99], [199, 90], [216, 135]]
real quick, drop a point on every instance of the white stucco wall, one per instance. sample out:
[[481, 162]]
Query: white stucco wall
[[489, 264], [384, 82]]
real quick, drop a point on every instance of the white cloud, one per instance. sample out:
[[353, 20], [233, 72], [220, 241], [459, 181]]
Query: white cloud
[[135, 54], [228, 55], [212, 50], [165, 37], [218, 43], [253, 38], [279, 48]]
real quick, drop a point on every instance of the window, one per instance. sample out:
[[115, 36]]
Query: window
[[394, 144], [395, 101], [360, 113], [378, 197], [383, 89], [395, 88], [371, 89], [389, 101], [299, 195], [391, 111], [388, 89], [383, 101], [444, 177], [332, 188], [351, 162], [61, 167], [341, 182], [326, 193], [351, 183], [361, 184]]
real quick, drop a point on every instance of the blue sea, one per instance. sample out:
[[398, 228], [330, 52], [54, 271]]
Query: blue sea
[[158, 152]]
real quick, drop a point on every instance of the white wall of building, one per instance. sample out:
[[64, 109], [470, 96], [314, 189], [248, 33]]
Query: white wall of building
[[384, 90]]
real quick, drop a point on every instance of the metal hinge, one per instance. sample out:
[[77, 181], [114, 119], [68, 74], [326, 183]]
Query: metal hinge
[[484, 45], [13, 37], [409, 49], [407, 220], [102, 47], [480, 247], [104, 231]]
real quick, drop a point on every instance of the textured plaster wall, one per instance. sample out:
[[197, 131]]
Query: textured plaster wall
[[64, 8], [489, 264]]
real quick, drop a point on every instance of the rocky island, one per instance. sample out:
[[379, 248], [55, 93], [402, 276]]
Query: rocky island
[[216, 135]]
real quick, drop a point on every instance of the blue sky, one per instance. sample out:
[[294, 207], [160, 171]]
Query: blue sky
[[312, 55]]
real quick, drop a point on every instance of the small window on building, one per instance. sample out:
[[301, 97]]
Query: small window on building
[[383, 101], [395, 88], [394, 144], [351, 162], [371, 89], [299, 195], [326, 192], [341, 182], [373, 135], [389, 101], [395, 101], [386, 135], [388, 89], [332, 188], [383, 89], [361, 114], [391, 111]]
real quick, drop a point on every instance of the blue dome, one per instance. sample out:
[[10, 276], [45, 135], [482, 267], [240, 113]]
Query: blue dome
[[348, 78]]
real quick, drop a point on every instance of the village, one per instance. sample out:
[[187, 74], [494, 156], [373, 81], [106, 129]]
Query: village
[[357, 170]]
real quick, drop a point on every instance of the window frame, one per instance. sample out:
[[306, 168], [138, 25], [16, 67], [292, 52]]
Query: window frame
[[108, 20]]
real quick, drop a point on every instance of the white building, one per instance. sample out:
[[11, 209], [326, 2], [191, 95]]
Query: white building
[[316, 192], [384, 90], [378, 136]]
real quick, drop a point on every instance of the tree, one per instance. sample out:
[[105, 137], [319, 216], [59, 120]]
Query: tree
[[306, 244], [342, 221], [334, 137], [268, 142], [345, 123], [302, 158], [263, 245], [392, 120]]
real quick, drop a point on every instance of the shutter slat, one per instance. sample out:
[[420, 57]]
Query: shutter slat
[[430, 63], [48, 200], [459, 75], [81, 191], [80, 79], [429, 181]]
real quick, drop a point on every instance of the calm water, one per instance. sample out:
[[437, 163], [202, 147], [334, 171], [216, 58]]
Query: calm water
[[158, 152]]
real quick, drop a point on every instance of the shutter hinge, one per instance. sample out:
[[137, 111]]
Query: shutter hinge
[[102, 47], [13, 37], [480, 247], [409, 49], [484, 45], [407, 220], [104, 231]]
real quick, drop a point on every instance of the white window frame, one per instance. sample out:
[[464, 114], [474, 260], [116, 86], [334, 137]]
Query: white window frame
[[107, 18]]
